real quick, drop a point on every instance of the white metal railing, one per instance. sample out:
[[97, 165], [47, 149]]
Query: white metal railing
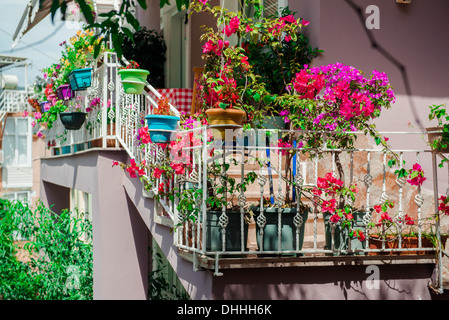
[[13, 101], [256, 231], [368, 167]]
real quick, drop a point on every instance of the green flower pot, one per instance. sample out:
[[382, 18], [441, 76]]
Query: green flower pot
[[133, 80], [341, 236], [270, 239], [214, 232]]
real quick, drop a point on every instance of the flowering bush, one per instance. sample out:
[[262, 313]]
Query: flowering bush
[[443, 206], [242, 76], [77, 53], [132, 65], [339, 99], [163, 106], [337, 200], [416, 175]]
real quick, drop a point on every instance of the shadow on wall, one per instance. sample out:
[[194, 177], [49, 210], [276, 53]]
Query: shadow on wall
[[57, 198], [404, 282]]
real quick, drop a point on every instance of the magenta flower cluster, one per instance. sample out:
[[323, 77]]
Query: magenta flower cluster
[[344, 97]]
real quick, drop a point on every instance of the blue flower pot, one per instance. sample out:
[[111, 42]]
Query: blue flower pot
[[45, 106], [161, 127], [80, 79]]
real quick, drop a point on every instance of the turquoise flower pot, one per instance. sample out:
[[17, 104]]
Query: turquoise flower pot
[[80, 79], [161, 127]]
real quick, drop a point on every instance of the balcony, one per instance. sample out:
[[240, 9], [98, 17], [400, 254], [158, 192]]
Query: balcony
[[248, 215]]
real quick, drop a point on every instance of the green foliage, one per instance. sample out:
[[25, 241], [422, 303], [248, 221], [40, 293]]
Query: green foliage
[[52, 114], [161, 288], [277, 64], [57, 251], [112, 26]]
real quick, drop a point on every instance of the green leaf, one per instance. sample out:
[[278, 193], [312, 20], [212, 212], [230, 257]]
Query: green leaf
[[143, 4], [86, 10], [223, 105], [377, 140]]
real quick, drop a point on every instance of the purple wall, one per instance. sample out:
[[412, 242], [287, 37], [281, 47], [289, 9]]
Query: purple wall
[[397, 282], [122, 222], [412, 46]]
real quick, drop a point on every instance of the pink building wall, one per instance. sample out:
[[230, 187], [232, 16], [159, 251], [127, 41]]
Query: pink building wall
[[412, 48]]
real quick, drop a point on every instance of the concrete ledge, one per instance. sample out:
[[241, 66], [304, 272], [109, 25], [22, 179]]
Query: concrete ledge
[[251, 261]]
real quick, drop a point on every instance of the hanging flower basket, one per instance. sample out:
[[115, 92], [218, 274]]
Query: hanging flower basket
[[72, 120], [161, 127], [133, 80], [80, 79], [65, 92]]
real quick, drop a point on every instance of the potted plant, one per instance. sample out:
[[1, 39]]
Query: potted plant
[[75, 117], [74, 66], [438, 137], [51, 115], [133, 78], [162, 123], [80, 79], [65, 92], [149, 48]]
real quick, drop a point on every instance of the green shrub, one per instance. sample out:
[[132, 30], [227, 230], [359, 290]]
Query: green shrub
[[58, 249]]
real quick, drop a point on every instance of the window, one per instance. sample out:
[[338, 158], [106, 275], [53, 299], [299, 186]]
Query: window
[[17, 142], [271, 8], [81, 207], [24, 196]]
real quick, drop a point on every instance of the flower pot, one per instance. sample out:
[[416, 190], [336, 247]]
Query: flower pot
[[133, 80], [136, 75], [222, 119], [80, 79], [214, 232], [45, 106], [161, 127], [407, 242], [65, 92], [434, 135], [341, 236], [288, 229], [72, 120]]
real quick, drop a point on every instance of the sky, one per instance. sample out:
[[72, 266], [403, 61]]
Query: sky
[[40, 45]]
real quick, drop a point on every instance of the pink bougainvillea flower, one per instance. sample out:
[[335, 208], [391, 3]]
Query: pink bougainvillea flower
[[157, 173], [178, 167], [144, 135], [329, 206], [233, 26], [203, 1], [25, 114], [416, 175], [335, 218], [305, 23], [385, 217]]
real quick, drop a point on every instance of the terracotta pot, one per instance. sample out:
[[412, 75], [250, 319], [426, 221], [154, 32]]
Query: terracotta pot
[[375, 242], [224, 119], [436, 136]]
